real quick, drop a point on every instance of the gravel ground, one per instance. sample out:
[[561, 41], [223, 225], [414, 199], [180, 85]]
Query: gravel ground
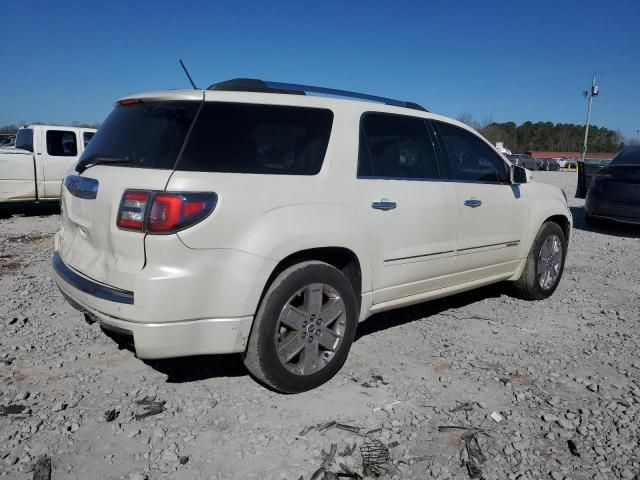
[[562, 374]]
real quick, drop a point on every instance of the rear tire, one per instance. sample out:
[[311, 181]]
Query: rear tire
[[304, 328], [544, 264]]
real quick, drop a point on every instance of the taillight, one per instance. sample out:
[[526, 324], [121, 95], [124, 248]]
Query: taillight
[[163, 212], [132, 210]]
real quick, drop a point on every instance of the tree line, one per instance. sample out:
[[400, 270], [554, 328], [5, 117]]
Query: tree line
[[547, 136]]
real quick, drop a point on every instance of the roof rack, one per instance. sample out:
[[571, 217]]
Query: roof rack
[[255, 85]]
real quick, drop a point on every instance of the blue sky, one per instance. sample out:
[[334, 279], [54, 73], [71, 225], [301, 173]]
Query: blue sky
[[67, 61]]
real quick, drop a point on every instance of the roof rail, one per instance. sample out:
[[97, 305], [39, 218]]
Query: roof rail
[[255, 85]]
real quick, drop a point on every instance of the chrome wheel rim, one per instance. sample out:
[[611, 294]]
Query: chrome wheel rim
[[549, 262], [310, 329]]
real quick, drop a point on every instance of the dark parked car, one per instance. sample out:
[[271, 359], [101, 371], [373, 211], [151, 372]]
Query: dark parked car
[[614, 193], [548, 164], [524, 160]]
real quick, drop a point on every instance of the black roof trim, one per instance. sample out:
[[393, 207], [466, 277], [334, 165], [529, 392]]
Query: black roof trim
[[255, 85]]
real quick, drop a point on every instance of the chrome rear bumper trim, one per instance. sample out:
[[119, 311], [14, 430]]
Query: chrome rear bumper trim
[[88, 286]]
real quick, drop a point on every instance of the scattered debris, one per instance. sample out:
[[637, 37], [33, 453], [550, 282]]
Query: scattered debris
[[306, 430], [324, 426], [183, 459], [393, 444], [347, 472], [496, 417], [151, 407], [42, 468], [349, 428], [348, 450], [11, 410], [111, 415], [573, 448], [387, 406], [374, 454], [320, 472], [486, 365], [463, 406], [475, 459], [374, 382]]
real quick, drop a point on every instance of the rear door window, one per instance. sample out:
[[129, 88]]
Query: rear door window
[[86, 137], [147, 135], [259, 139], [61, 143], [24, 139], [470, 158], [396, 147]]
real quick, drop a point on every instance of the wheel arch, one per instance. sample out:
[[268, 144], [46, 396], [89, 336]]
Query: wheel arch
[[563, 222], [342, 258]]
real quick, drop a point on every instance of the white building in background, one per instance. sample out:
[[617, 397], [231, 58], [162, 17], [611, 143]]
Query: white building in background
[[501, 149]]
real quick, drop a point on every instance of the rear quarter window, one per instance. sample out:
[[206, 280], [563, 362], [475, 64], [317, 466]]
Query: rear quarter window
[[258, 139]]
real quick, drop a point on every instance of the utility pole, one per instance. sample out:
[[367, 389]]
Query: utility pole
[[638, 136], [589, 94]]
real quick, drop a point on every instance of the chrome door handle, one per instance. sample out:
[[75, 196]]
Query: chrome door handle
[[473, 203], [384, 205]]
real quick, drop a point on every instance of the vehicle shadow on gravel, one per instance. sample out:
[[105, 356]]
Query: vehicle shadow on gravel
[[605, 228], [202, 367], [30, 210], [187, 369], [393, 318]]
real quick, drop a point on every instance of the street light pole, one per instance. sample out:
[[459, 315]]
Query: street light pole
[[589, 94]]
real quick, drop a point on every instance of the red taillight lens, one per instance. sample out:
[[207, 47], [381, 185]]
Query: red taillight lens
[[132, 210], [167, 212]]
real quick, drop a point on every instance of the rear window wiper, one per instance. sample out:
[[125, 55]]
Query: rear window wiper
[[98, 159]]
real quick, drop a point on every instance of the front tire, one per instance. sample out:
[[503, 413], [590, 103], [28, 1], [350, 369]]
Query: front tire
[[304, 328], [544, 264]]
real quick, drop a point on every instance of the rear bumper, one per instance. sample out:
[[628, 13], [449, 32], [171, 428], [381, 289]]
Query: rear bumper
[[619, 212], [151, 339]]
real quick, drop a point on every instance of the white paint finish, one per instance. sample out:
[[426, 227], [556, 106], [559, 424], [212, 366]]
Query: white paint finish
[[412, 246], [486, 233], [218, 268], [90, 240], [29, 176]]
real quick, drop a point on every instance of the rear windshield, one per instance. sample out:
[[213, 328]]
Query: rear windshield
[[148, 135], [628, 156], [24, 139], [261, 139]]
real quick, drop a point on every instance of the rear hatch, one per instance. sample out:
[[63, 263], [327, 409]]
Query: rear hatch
[[135, 148], [620, 183]]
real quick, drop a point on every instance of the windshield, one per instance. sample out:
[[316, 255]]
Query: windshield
[[147, 135], [24, 139]]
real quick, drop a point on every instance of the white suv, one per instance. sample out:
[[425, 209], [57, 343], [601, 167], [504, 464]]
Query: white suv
[[250, 217]]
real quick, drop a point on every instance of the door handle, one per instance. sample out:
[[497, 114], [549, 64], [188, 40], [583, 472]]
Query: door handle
[[473, 203], [384, 205]]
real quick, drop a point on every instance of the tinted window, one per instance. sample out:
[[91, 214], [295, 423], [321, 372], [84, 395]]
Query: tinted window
[[264, 139], [395, 147], [628, 156], [61, 143], [149, 135], [24, 139], [471, 159], [86, 137]]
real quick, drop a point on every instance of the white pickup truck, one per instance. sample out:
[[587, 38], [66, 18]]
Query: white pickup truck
[[33, 170]]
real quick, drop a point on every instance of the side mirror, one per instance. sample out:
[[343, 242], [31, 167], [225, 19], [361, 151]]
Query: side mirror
[[519, 174]]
